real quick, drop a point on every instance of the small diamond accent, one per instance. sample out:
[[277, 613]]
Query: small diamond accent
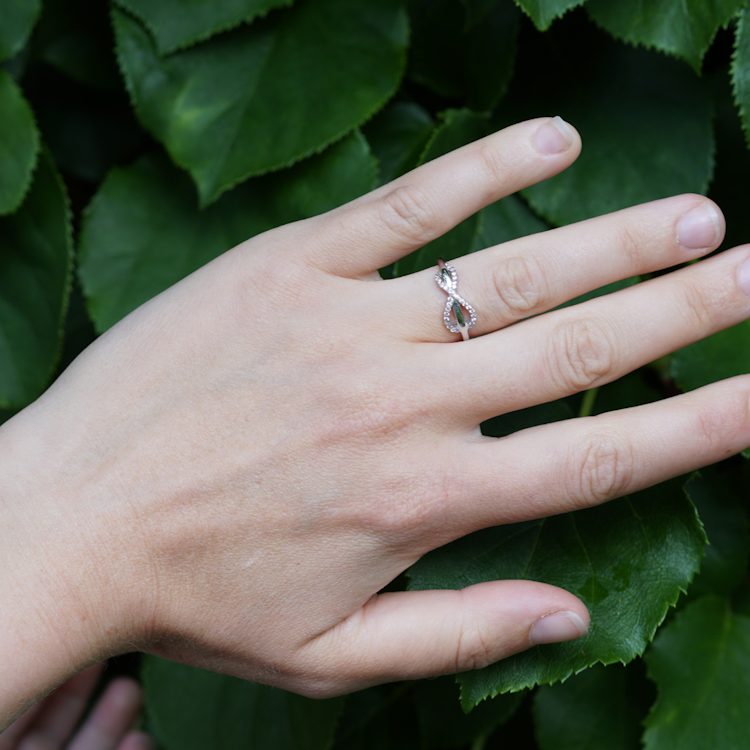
[[453, 316]]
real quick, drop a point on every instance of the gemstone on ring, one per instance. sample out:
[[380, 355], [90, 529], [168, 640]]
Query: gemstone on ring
[[447, 280]]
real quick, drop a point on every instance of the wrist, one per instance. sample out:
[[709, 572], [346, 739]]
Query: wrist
[[62, 575]]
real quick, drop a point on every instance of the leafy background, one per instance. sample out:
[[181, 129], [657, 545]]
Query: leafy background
[[141, 138]]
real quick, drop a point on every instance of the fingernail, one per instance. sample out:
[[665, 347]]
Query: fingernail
[[559, 626], [744, 276], [554, 136], [699, 228]]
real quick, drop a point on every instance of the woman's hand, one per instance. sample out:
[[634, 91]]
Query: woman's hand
[[50, 723], [229, 476]]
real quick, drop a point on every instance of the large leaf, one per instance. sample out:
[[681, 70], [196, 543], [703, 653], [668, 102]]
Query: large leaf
[[264, 96], [684, 28], [701, 665], [544, 12], [726, 525], [143, 231], [645, 121], [458, 127], [192, 709], [176, 23], [35, 270], [599, 709], [720, 356], [398, 136], [19, 144], [741, 70], [17, 18], [457, 58], [627, 560]]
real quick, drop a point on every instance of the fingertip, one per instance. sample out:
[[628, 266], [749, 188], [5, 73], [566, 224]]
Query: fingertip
[[555, 136]]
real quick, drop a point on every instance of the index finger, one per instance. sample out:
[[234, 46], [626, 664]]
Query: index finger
[[424, 204]]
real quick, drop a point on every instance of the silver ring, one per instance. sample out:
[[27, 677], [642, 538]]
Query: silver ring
[[453, 316]]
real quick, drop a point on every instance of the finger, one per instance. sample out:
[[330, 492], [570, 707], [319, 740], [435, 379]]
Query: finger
[[424, 204], [576, 464], [581, 347], [137, 741], [111, 718], [531, 275], [410, 635], [61, 711]]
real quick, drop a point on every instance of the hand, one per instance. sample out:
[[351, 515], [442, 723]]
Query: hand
[[50, 722], [229, 476]]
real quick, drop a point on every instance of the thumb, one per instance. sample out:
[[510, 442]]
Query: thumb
[[415, 634]]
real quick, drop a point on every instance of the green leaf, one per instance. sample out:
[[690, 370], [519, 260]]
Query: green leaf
[[685, 28], [444, 725], [720, 356], [701, 665], [143, 231], [627, 560], [458, 127], [645, 122], [506, 220], [457, 58], [398, 136], [741, 71], [631, 390], [544, 12], [726, 525], [176, 23], [193, 709], [17, 18], [19, 145], [599, 709], [507, 424], [36, 260], [262, 97]]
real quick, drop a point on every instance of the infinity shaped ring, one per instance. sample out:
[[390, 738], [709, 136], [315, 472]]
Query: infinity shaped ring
[[454, 317]]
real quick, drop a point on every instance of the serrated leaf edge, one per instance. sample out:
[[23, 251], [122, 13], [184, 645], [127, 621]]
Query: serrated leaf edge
[[214, 31], [205, 201], [467, 704], [544, 27], [35, 158]]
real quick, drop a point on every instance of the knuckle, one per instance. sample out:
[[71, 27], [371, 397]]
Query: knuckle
[[582, 355], [407, 213], [519, 286], [702, 303], [630, 243], [494, 165], [474, 649], [601, 470]]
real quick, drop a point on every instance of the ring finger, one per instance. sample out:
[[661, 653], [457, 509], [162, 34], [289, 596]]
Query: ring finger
[[534, 274]]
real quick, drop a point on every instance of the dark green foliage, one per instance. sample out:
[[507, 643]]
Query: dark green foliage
[[627, 560], [183, 127]]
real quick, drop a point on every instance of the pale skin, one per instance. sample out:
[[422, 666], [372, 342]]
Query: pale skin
[[229, 476]]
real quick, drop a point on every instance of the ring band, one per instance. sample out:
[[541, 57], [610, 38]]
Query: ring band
[[447, 280]]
